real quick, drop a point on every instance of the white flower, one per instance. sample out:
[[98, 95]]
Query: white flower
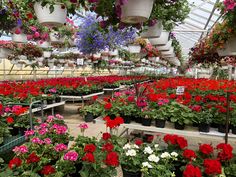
[[153, 158], [165, 155], [148, 150], [131, 153], [127, 146], [146, 164], [174, 154], [135, 146], [156, 146]]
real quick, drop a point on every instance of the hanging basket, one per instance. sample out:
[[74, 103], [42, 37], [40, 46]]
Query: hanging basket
[[154, 31], [40, 59], [4, 52], [229, 48], [47, 54], [61, 60], [136, 11], [43, 44], [162, 40], [56, 18], [56, 38], [19, 38], [113, 52], [165, 47], [168, 52], [134, 48]]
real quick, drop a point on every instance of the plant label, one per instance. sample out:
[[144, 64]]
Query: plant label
[[80, 61], [180, 90]]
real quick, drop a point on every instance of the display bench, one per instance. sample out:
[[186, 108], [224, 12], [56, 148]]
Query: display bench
[[169, 129]]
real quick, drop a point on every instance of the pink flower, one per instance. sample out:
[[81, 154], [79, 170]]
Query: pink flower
[[71, 156], [50, 119], [83, 126], [29, 133], [60, 129], [47, 141], [33, 28], [29, 37], [20, 149], [117, 94], [229, 4], [60, 147], [7, 109], [43, 131], [36, 140], [59, 116], [43, 125]]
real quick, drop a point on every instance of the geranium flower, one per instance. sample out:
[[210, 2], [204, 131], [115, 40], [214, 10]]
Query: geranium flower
[[106, 136], [15, 162], [112, 159], [212, 167], [32, 158], [48, 170], [189, 154], [71, 156], [89, 148], [89, 157], [206, 149], [192, 171]]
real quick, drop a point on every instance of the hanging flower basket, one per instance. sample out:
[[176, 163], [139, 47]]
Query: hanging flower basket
[[19, 65], [134, 48], [113, 52], [168, 52], [229, 48], [72, 42], [162, 40], [153, 31], [19, 38], [71, 62], [165, 47], [14, 61], [56, 38], [61, 60], [136, 11], [97, 55], [40, 59], [47, 54], [45, 17], [43, 44], [40, 64], [4, 52]]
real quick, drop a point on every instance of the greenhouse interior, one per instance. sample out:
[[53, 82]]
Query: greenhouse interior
[[117, 88]]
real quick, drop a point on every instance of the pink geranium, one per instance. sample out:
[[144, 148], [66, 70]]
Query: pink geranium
[[20, 149], [60, 147], [71, 156], [229, 4]]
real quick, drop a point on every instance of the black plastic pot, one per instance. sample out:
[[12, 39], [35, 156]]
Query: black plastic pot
[[78, 169], [204, 127], [58, 100], [127, 119], [146, 122], [88, 117], [160, 123], [14, 131], [179, 126], [222, 129], [234, 129], [49, 101], [131, 174], [195, 124], [214, 125], [138, 119]]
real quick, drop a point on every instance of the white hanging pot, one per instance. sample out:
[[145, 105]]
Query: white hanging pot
[[162, 40], [45, 17], [55, 37], [40, 64], [169, 55], [153, 31], [105, 58], [61, 60], [19, 38], [40, 59], [168, 52], [19, 65], [113, 52], [71, 42], [59, 65], [134, 48], [4, 52], [50, 64], [164, 47], [229, 48], [136, 11], [22, 57], [71, 62], [43, 44], [97, 55], [14, 61], [47, 54]]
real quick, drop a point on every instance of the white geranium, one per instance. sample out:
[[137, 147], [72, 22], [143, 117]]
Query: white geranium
[[148, 150], [156, 146], [174, 154], [131, 152], [135, 146], [146, 164], [127, 146], [165, 155], [153, 158]]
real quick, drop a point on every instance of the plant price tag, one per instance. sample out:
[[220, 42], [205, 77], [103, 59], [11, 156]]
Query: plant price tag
[[180, 90], [80, 61]]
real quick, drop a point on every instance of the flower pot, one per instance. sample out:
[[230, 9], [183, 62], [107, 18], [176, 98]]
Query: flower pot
[[88, 117], [162, 40], [50, 101], [131, 174], [127, 119], [97, 55], [113, 52], [204, 127], [4, 52], [19, 38], [214, 125], [40, 59], [61, 60], [71, 62], [72, 42], [146, 122], [134, 48], [78, 167], [138, 119], [234, 129], [43, 44], [168, 52], [136, 11], [45, 17], [229, 48], [195, 124], [47, 54], [58, 99], [153, 31], [160, 123], [222, 128], [167, 46], [56, 38], [179, 126], [14, 131]]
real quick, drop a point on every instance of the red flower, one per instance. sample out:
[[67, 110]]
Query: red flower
[[108, 106], [112, 159], [15, 162], [226, 151], [198, 98], [9, 120], [212, 167], [170, 139], [108, 147], [150, 138], [106, 136], [47, 170], [29, 15], [206, 149], [1, 107], [189, 154], [89, 148], [33, 158], [94, 98], [89, 157], [113, 123], [182, 142], [192, 171], [138, 142], [172, 96], [130, 98]]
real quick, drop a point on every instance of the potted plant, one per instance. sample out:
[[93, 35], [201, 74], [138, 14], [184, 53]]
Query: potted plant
[[5, 48], [161, 114], [162, 40], [135, 47], [204, 119], [153, 30], [233, 124], [147, 116]]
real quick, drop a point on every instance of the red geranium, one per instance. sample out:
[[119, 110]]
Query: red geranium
[[47, 170], [33, 158], [94, 98], [212, 167], [113, 123], [226, 152], [112, 159], [15, 162], [89, 157], [9, 120], [170, 139], [189, 154], [89, 148], [182, 142], [206, 149], [130, 98], [108, 147], [106, 136], [198, 98], [108, 106], [138, 142], [192, 171], [176, 140]]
